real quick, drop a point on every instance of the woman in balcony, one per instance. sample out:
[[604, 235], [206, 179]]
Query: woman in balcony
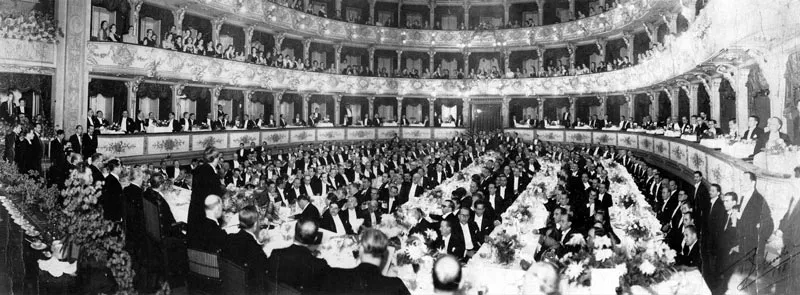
[[199, 47], [218, 50], [168, 42], [112, 34], [188, 45], [178, 43], [230, 53]]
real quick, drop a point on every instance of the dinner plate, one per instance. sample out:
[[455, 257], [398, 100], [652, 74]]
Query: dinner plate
[[38, 245]]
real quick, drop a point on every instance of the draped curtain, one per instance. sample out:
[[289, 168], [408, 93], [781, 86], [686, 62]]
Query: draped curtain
[[529, 111], [386, 112], [449, 22], [451, 65], [529, 65], [488, 64], [353, 60], [355, 109], [226, 41], [414, 113], [448, 111], [104, 104], [792, 97], [414, 64], [323, 108], [287, 109], [387, 63], [413, 18], [320, 57], [288, 52], [385, 17]]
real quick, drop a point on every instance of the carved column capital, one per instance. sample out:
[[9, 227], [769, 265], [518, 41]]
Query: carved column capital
[[279, 37], [215, 91], [178, 15], [399, 99], [337, 97], [431, 99], [628, 38], [217, 23], [629, 97], [248, 94], [133, 85], [306, 97]]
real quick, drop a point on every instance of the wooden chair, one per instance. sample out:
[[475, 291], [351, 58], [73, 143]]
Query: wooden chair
[[204, 272], [233, 276], [157, 241]]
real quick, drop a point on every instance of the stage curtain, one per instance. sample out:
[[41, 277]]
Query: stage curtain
[[386, 112]]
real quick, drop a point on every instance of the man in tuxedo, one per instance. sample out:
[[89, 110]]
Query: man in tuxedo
[[484, 222], [755, 224], [710, 231], [366, 278], [791, 241], [690, 249], [89, 143], [58, 157], [249, 124], [333, 221], [111, 199], [173, 123], [413, 188], [297, 266], [376, 121], [348, 116], [126, 124], [469, 232], [20, 111], [8, 106], [11, 141], [450, 240], [207, 235], [372, 216], [186, 122], [243, 248], [205, 182], [774, 125], [308, 210], [700, 195], [76, 140], [566, 119], [753, 131]]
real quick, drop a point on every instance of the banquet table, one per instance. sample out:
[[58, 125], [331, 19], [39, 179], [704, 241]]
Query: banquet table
[[739, 149], [389, 124], [416, 125], [553, 127], [178, 200], [782, 163], [324, 124], [449, 124], [526, 126]]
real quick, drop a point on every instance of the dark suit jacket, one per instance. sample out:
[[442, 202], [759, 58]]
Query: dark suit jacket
[[757, 133], [365, 279], [111, 199], [166, 219], [241, 248], [455, 246], [57, 155], [89, 145], [761, 142], [328, 223], [755, 225], [207, 236], [297, 267], [691, 259], [205, 182], [130, 125], [11, 142], [310, 212], [97, 175]]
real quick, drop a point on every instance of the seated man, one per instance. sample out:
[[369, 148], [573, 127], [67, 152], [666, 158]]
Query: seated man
[[243, 248], [366, 278], [207, 234], [333, 221], [297, 266]]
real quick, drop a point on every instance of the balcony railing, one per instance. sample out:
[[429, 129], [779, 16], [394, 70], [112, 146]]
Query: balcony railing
[[625, 17], [28, 57]]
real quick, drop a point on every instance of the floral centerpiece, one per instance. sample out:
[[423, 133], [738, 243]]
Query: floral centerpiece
[[416, 247], [32, 26], [505, 246], [628, 200]]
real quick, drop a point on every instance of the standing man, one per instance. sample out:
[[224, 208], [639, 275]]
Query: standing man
[[12, 138], [89, 143], [206, 182], [348, 116]]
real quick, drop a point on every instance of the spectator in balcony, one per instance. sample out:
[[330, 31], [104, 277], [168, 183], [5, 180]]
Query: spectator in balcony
[[188, 45], [167, 44], [298, 120], [112, 34], [230, 53], [103, 33], [178, 43], [199, 47]]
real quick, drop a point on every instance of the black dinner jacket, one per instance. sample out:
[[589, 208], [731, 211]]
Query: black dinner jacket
[[364, 279], [130, 125], [206, 236], [455, 246], [297, 267], [309, 213], [57, 154], [89, 145], [204, 182], [328, 223], [242, 248], [111, 199], [691, 259]]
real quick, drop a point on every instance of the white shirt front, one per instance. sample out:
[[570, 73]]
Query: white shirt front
[[467, 236], [413, 190], [478, 220], [338, 225]]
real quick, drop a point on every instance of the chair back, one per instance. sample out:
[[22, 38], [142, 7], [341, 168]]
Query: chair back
[[203, 264], [152, 220], [234, 277], [282, 289]]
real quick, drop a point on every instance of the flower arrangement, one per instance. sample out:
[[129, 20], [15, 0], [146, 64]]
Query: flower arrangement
[[416, 247], [33, 26], [628, 200], [637, 230], [777, 147], [505, 246], [617, 179], [651, 263]]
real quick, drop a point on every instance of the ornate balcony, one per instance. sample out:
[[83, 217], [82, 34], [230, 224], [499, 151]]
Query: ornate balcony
[[27, 57], [627, 16]]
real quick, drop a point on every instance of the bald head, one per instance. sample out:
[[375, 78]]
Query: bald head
[[213, 206], [541, 278], [446, 274]]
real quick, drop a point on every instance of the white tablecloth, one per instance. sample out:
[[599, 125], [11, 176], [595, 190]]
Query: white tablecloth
[[518, 125], [739, 149], [416, 125], [178, 201], [157, 129], [392, 124], [324, 124], [450, 124], [553, 127]]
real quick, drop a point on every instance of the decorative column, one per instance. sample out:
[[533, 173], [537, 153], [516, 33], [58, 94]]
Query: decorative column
[[466, 54], [177, 16], [507, 59], [691, 92], [540, 5], [601, 47], [602, 3], [371, 51], [399, 13], [654, 104], [279, 43], [540, 107], [399, 60], [216, 26], [248, 38], [338, 56], [712, 88], [739, 84], [773, 67], [399, 108], [572, 9], [306, 49], [306, 4], [431, 16], [466, 14], [306, 97], [630, 99], [371, 101], [505, 111], [431, 54], [71, 79], [571, 51], [540, 50], [337, 108], [431, 109], [372, 10], [652, 32], [673, 94], [572, 102], [506, 7], [671, 20], [601, 112], [628, 38], [276, 105], [133, 20], [177, 93], [248, 103], [338, 6], [133, 87], [466, 114]]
